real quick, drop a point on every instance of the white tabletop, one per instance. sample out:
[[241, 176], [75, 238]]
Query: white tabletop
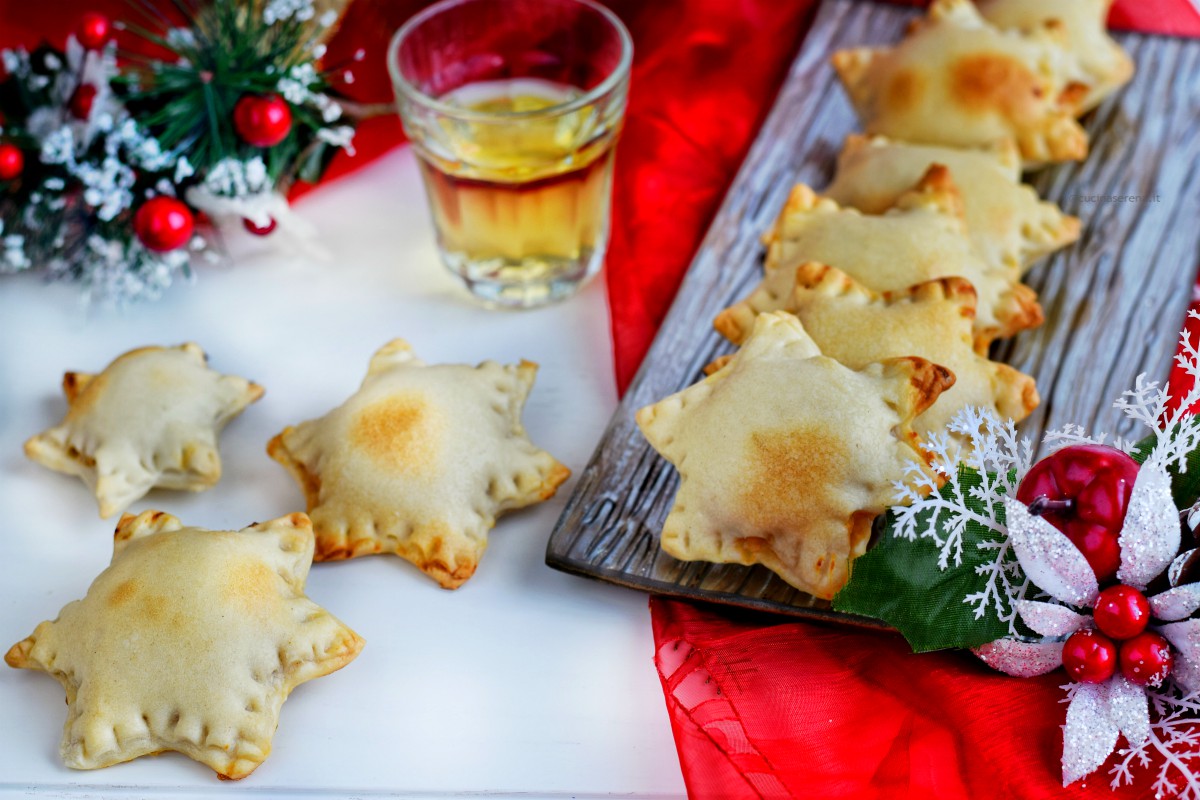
[[525, 681]]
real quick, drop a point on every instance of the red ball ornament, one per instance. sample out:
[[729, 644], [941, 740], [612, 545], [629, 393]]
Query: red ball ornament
[[93, 31], [1146, 659], [163, 224], [1089, 657], [262, 121], [1083, 490], [259, 230], [82, 101], [1121, 611], [12, 161]]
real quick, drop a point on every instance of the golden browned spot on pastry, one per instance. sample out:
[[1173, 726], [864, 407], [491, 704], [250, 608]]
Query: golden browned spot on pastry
[[784, 469], [124, 592], [400, 432], [983, 82], [154, 606], [252, 584], [903, 91]]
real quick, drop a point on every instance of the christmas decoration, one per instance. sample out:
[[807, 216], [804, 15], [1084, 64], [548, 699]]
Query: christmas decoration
[[123, 168], [1014, 557], [1121, 612], [12, 161], [94, 31], [259, 230], [1089, 657], [163, 224], [82, 102], [1083, 491], [262, 121]]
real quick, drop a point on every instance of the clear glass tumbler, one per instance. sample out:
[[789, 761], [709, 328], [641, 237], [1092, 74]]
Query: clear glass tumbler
[[513, 108]]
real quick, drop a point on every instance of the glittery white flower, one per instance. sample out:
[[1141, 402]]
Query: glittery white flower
[[1098, 713]]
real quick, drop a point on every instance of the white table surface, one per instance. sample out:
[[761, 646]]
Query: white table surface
[[525, 681]]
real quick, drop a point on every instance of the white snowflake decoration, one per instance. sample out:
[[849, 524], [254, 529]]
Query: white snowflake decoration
[[990, 447], [1029, 558]]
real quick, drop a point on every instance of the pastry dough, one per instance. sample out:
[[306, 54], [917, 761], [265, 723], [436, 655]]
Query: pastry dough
[[1007, 222], [856, 326], [420, 462], [190, 641], [960, 81], [151, 418], [786, 456], [1101, 64], [921, 238]]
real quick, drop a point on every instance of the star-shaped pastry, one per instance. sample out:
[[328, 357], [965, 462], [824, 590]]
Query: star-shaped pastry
[[1008, 223], [189, 641], [151, 418], [958, 80], [921, 238], [786, 456], [1103, 66], [856, 326], [419, 462]]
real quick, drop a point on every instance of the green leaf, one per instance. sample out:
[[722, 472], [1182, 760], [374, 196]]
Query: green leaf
[[898, 581], [1185, 486]]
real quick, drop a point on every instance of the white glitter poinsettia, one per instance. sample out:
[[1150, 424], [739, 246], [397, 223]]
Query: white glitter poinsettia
[[1099, 712], [1038, 580]]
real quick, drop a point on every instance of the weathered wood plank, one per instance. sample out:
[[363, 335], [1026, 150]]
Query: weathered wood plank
[[1114, 301]]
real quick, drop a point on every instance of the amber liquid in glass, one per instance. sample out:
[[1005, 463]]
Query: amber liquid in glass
[[523, 205]]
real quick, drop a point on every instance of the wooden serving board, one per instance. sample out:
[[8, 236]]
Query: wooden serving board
[[1114, 302]]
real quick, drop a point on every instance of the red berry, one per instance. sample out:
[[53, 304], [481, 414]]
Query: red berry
[[1146, 659], [163, 224], [1089, 657], [82, 101], [12, 161], [262, 121], [259, 230], [93, 30], [1097, 480], [1121, 611]]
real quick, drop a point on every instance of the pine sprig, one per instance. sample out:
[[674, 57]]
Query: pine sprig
[[161, 125]]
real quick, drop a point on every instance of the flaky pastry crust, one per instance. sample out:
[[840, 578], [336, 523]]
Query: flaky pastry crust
[[786, 456], [190, 641], [420, 462], [150, 419], [957, 80]]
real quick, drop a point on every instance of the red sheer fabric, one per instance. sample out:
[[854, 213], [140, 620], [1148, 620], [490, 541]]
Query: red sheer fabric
[[768, 709]]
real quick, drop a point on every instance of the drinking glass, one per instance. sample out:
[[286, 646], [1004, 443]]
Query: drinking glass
[[513, 108]]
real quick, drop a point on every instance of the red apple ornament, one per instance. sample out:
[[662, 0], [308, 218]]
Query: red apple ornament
[[12, 161], [93, 31], [1089, 657], [262, 121], [163, 224], [1083, 490]]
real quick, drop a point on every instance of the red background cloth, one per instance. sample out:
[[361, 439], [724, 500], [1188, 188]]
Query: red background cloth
[[759, 707]]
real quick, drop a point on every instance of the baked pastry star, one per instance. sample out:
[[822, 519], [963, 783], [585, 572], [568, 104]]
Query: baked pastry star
[[856, 326], [1101, 64], [419, 462], [786, 456], [189, 641], [958, 80], [1008, 223], [921, 238], [151, 418]]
